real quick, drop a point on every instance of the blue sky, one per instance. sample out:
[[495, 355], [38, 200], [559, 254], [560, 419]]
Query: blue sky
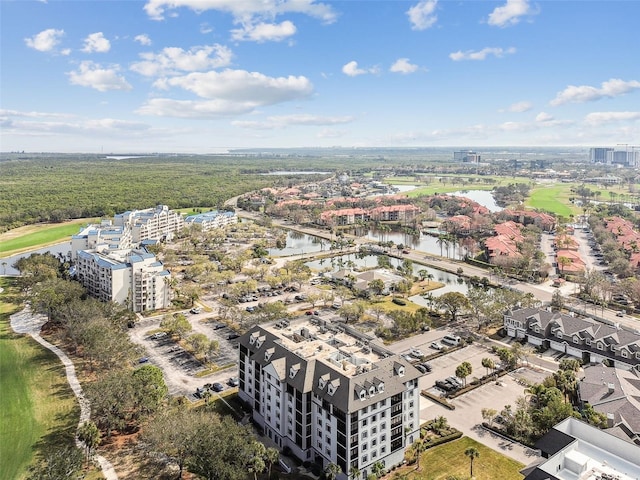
[[209, 75]]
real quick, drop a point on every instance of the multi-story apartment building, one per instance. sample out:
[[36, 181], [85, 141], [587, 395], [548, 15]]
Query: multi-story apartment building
[[212, 219], [599, 154], [134, 278], [98, 236], [467, 156], [329, 393], [584, 338], [157, 223]]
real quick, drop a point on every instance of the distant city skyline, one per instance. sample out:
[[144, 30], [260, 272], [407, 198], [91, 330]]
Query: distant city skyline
[[207, 76]]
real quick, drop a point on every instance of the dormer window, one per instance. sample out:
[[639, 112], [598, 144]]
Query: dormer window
[[536, 329], [363, 394], [599, 346], [576, 340], [372, 390], [331, 389], [321, 383], [253, 338], [267, 354], [293, 370], [559, 334], [624, 353], [588, 341], [381, 387], [260, 341]]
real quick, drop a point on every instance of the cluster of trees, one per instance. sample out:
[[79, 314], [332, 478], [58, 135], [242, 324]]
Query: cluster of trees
[[486, 306], [208, 445], [544, 405]]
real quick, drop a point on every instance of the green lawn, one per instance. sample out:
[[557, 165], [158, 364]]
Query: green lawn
[[13, 242], [438, 463], [553, 198], [38, 406]]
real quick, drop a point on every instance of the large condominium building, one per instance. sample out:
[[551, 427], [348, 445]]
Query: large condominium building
[[129, 277], [212, 219], [157, 223], [329, 393], [611, 156], [98, 236], [467, 156], [599, 154]]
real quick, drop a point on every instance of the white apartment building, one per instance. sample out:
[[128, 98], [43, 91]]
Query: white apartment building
[[329, 393], [134, 278], [99, 236], [575, 450], [212, 219], [157, 223]]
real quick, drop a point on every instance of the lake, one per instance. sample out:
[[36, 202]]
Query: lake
[[64, 248], [483, 197]]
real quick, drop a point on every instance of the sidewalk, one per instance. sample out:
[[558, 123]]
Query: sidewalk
[[30, 324]]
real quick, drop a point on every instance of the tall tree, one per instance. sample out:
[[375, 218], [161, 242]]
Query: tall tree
[[472, 453], [89, 434]]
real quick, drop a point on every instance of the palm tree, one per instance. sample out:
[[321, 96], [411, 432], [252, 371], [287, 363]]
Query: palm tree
[[271, 456], [489, 364], [378, 469], [472, 453], [419, 447], [354, 473], [331, 471]]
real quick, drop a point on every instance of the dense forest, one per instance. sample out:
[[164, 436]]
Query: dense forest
[[53, 188]]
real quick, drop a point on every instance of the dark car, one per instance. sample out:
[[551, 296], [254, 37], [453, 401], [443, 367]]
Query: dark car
[[233, 336], [217, 387]]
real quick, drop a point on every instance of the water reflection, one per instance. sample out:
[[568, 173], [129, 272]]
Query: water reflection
[[8, 262], [452, 282], [483, 197]]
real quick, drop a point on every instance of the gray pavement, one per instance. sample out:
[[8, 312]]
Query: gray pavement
[[30, 324]]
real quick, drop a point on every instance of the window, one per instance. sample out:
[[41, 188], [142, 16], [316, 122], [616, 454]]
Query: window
[[576, 340], [383, 438], [374, 442], [374, 454], [364, 435], [588, 341], [364, 459], [559, 334], [599, 346], [536, 329], [364, 447], [383, 449], [364, 422], [374, 418], [411, 404], [374, 430], [624, 353]]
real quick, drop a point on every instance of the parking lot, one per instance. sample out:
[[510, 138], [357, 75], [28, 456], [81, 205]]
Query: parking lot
[[467, 416]]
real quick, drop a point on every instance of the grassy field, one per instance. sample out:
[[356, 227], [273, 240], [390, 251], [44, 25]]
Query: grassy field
[[438, 463], [38, 406], [553, 198], [26, 238]]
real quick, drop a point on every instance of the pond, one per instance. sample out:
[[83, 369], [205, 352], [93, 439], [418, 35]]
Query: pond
[[300, 243], [452, 282], [8, 262], [421, 242], [483, 197]]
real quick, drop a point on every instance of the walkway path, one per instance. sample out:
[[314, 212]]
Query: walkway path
[[28, 323]]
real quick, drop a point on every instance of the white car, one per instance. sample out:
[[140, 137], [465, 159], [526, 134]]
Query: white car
[[417, 353], [436, 346]]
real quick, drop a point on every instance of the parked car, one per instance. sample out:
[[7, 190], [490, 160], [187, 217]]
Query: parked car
[[421, 369], [620, 314], [233, 336], [196, 310], [217, 387], [233, 382], [417, 353], [436, 345], [143, 360]]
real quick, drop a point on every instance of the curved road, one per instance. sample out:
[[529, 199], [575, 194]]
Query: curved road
[[31, 324]]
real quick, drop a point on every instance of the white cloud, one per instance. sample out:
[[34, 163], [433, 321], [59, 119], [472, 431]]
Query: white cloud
[[481, 54], [245, 10], [402, 65], [421, 15], [586, 93], [166, 107], [18, 113], [243, 86], [601, 118], [230, 92], [263, 32], [205, 28], [283, 121], [352, 70], [92, 75], [544, 117], [510, 13], [46, 40], [520, 107], [96, 43], [172, 60], [143, 39]]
